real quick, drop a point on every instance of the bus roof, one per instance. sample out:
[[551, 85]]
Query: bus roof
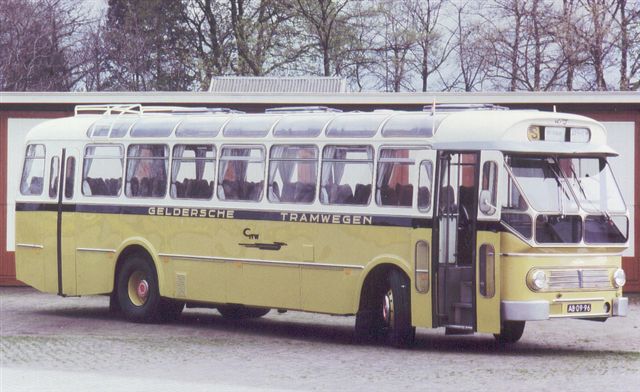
[[480, 128]]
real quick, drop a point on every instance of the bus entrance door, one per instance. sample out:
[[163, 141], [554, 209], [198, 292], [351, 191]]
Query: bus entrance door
[[454, 241], [64, 255]]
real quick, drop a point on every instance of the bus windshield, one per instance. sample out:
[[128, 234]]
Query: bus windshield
[[573, 199]]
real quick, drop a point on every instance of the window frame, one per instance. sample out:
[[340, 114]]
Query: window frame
[[172, 179], [371, 162], [315, 160], [27, 158], [219, 176], [85, 157]]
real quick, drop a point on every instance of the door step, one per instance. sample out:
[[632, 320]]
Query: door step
[[462, 314], [458, 330]]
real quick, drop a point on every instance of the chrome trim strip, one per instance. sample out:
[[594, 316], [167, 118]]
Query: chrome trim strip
[[423, 270], [562, 300], [579, 315], [258, 261], [560, 254], [524, 310], [30, 246], [96, 250]]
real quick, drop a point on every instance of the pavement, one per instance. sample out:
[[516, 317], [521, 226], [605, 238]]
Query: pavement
[[49, 343]]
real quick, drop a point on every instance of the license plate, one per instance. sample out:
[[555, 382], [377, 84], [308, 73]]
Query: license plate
[[578, 308]]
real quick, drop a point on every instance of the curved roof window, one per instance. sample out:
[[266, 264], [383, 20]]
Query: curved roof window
[[155, 126], [121, 125], [250, 125], [201, 126], [410, 125], [301, 125], [356, 125]]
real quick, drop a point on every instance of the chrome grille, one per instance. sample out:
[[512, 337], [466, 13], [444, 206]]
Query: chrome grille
[[563, 279]]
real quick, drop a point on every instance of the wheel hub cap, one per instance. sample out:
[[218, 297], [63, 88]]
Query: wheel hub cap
[[143, 289]]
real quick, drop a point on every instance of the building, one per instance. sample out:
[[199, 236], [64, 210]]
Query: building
[[619, 111]]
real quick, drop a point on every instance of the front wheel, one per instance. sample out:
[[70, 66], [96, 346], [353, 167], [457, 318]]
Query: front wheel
[[137, 290], [510, 332], [386, 312]]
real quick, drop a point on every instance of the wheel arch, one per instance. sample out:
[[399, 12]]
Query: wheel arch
[[376, 270], [144, 247]]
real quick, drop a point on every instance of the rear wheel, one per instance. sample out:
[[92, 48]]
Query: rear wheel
[[237, 312], [137, 290], [510, 332]]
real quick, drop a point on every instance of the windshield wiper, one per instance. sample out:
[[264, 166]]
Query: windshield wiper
[[556, 176], [585, 197]]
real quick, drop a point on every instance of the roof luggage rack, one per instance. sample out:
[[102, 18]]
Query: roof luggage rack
[[187, 110], [108, 109], [457, 107], [138, 109], [303, 109]]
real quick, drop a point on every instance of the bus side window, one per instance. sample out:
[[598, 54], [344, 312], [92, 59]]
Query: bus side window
[[347, 173], [69, 177], [424, 185], [293, 171], [54, 173], [102, 170], [31, 183], [147, 166], [396, 177], [193, 171], [241, 173], [488, 193]]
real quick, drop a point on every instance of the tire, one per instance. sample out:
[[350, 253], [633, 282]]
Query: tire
[[397, 311], [386, 312], [238, 312], [137, 290], [510, 332]]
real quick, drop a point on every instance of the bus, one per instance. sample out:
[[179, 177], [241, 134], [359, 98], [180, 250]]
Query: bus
[[474, 218]]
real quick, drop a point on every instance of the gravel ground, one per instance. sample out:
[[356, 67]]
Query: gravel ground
[[50, 343]]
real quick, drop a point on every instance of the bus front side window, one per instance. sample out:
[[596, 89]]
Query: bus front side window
[[31, 183], [102, 170], [396, 174], [347, 173]]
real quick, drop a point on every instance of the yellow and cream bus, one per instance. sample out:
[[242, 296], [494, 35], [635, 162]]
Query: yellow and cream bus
[[473, 218]]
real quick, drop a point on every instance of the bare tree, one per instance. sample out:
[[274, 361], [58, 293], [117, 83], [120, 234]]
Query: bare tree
[[471, 52], [395, 40], [211, 37], [326, 19], [595, 31], [433, 43], [264, 35], [39, 42], [628, 45]]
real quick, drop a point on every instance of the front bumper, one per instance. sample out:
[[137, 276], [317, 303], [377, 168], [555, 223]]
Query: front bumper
[[544, 310]]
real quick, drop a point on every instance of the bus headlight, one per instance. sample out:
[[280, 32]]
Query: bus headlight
[[619, 278], [537, 280]]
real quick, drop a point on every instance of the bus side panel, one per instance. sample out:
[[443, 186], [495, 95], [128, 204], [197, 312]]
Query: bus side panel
[[348, 244], [271, 284], [195, 279], [32, 259], [96, 237], [488, 307]]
